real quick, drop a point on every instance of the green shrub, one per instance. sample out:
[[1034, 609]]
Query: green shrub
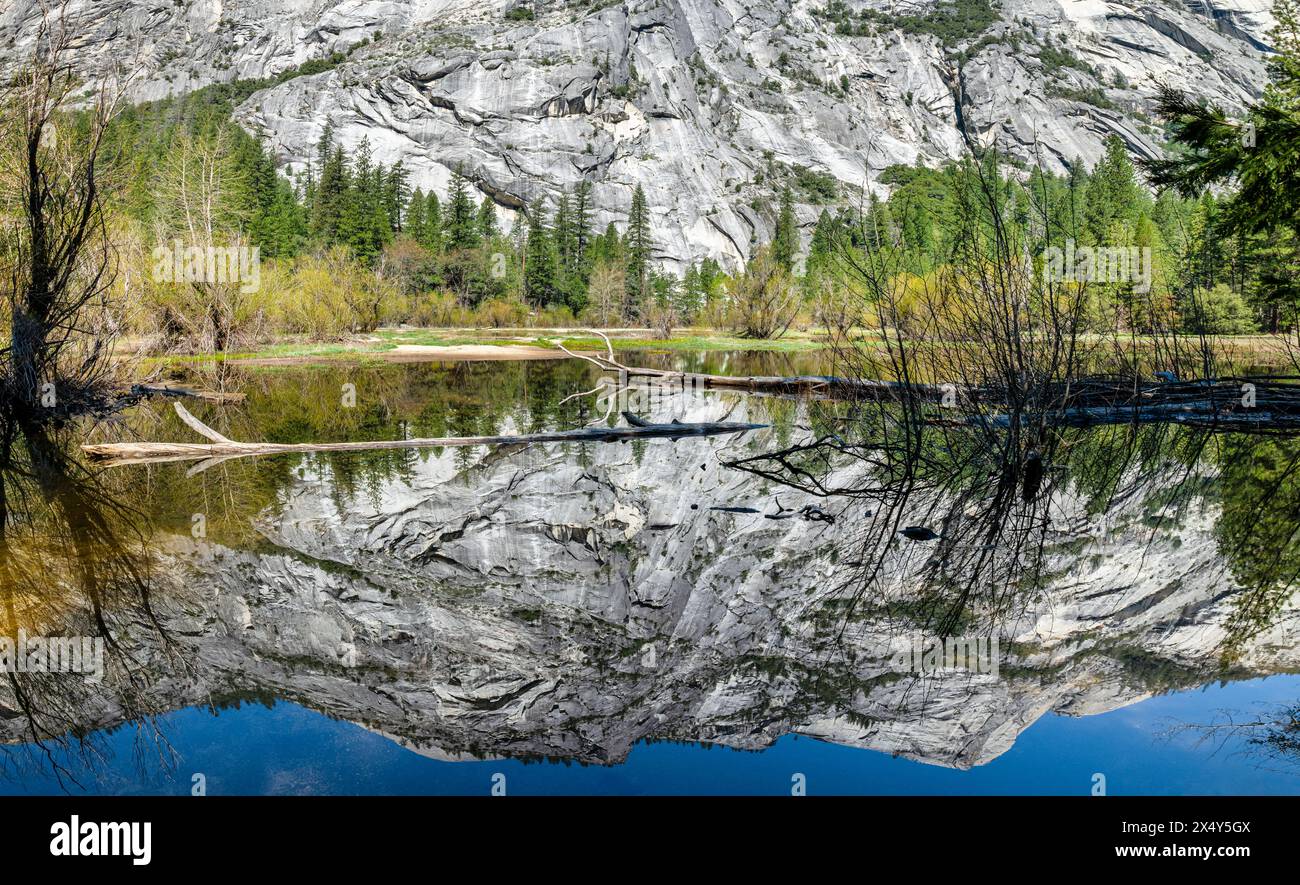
[[1054, 60], [820, 187], [1220, 311], [952, 21]]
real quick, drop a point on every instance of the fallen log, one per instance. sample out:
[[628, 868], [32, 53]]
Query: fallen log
[[1081, 402], [222, 448], [825, 385], [176, 390], [1191, 414]]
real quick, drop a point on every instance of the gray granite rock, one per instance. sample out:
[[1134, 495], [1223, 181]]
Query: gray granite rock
[[707, 104]]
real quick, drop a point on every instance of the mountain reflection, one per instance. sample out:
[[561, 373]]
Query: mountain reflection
[[565, 601]]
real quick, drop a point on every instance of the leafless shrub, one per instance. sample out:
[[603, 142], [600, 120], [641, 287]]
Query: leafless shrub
[[56, 258]]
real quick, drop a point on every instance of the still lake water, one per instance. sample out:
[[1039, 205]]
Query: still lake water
[[642, 618]]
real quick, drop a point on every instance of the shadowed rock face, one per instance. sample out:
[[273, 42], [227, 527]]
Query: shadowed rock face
[[572, 602], [709, 105]]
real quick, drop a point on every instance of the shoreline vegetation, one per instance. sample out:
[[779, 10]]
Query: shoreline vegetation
[[1261, 352], [484, 343]]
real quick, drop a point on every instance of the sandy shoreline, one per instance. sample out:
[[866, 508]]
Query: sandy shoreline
[[418, 353]]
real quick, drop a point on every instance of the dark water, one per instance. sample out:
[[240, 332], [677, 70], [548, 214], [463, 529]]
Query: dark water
[[658, 617]]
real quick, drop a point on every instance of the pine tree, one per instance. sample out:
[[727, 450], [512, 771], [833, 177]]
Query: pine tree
[[434, 237], [878, 224], [330, 191], [607, 247], [364, 220], [461, 226], [918, 228], [1260, 154], [414, 218], [540, 264], [582, 226], [283, 227], [354, 216], [566, 246], [1070, 211], [397, 191], [325, 147], [785, 243], [637, 245], [711, 278], [487, 220], [692, 297], [381, 211], [825, 241], [1113, 198], [305, 186], [275, 219]]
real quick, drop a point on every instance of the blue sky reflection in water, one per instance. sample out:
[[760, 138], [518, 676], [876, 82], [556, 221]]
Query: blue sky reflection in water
[[289, 750]]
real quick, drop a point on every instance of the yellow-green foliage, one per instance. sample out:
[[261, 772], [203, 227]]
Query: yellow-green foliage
[[501, 313]]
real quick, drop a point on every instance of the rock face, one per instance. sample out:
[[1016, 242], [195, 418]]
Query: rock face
[[570, 603], [710, 105]]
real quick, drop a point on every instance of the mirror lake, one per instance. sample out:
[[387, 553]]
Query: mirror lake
[[657, 616]]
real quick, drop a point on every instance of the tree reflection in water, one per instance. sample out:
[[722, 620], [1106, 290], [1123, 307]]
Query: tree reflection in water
[[75, 561], [114, 554]]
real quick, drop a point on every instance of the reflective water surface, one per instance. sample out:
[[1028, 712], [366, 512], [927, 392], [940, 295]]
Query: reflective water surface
[[716, 614]]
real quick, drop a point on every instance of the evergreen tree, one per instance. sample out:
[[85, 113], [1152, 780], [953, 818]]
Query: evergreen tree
[[785, 243], [637, 247], [1275, 291], [281, 230], [825, 240], [1260, 154], [276, 222], [487, 220], [1114, 197], [711, 278], [414, 218], [397, 191], [330, 193], [325, 147], [434, 237], [539, 261], [582, 226], [566, 245], [692, 297], [607, 247], [917, 229], [305, 186], [1070, 207], [878, 224], [461, 227], [363, 222], [567, 280], [380, 229]]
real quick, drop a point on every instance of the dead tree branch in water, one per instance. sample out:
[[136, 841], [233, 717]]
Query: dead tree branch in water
[[117, 454], [1241, 405]]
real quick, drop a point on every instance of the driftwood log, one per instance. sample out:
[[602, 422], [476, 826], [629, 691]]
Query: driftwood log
[[221, 448], [179, 391], [825, 385]]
